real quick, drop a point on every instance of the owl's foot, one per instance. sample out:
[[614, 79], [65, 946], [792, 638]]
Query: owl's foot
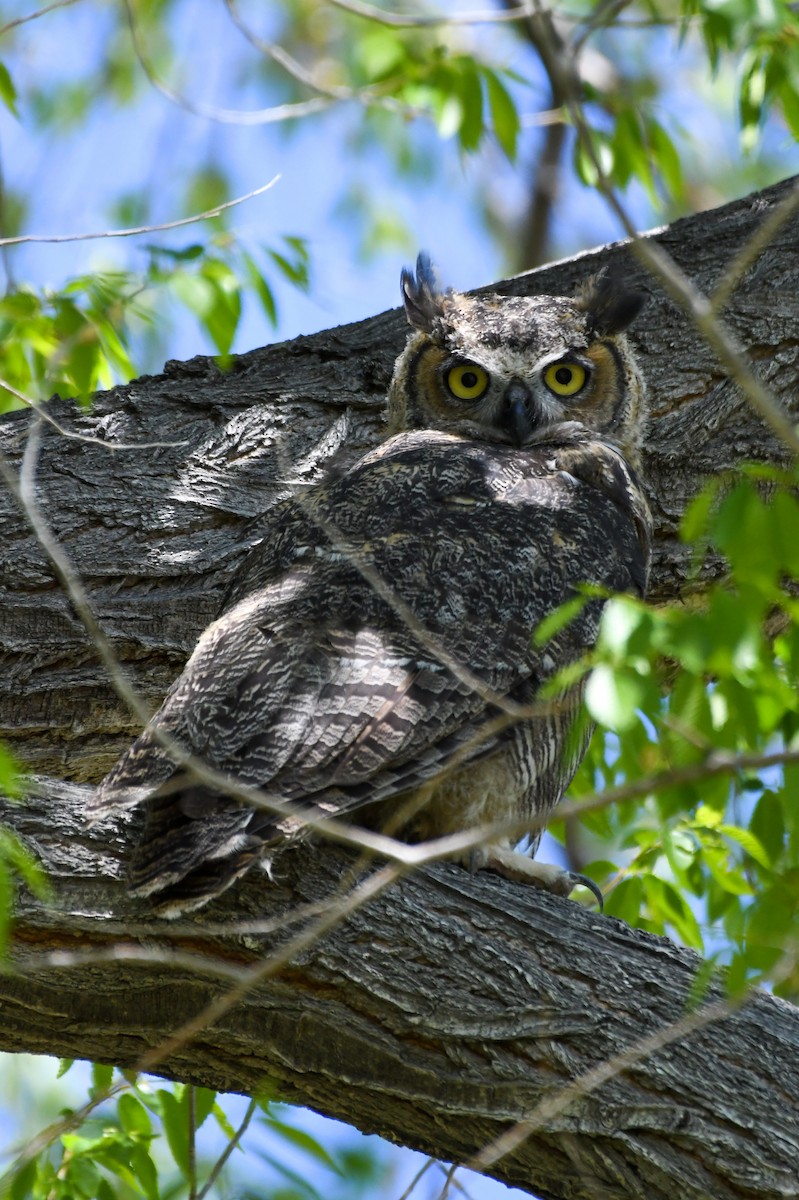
[[522, 869]]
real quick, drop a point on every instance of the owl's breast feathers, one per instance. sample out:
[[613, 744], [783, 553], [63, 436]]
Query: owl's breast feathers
[[371, 638]]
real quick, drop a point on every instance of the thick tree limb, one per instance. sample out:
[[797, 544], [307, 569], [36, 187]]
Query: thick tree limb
[[451, 1005], [436, 1016]]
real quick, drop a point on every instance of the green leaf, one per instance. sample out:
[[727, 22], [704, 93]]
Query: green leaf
[[584, 164], [20, 860], [102, 1076], [295, 268], [380, 53], [204, 1104], [696, 518], [8, 93], [669, 906], [221, 1118], [305, 1190], [624, 900], [208, 188], [222, 318], [145, 1171], [768, 827], [559, 619], [81, 1175], [175, 1119], [737, 976], [504, 116], [706, 973], [261, 288], [194, 291], [6, 906], [303, 1141], [770, 921], [612, 697], [133, 1116], [626, 628], [185, 254], [64, 1065], [470, 94], [666, 157], [751, 98], [748, 842], [24, 1180], [723, 870]]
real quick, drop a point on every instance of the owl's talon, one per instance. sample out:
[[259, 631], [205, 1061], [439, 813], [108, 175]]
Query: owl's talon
[[578, 880]]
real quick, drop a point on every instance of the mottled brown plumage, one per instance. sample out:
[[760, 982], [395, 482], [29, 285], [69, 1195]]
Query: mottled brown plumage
[[366, 651]]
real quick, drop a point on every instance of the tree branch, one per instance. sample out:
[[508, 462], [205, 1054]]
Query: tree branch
[[438, 1015]]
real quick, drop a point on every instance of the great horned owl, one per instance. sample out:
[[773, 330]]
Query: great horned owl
[[376, 658]]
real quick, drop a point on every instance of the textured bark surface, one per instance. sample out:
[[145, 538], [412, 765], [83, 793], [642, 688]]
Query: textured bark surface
[[452, 1004], [436, 1016]]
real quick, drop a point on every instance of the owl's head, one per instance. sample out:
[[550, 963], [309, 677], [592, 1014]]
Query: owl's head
[[516, 369]]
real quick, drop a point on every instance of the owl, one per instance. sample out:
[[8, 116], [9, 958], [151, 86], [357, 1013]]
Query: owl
[[377, 656]]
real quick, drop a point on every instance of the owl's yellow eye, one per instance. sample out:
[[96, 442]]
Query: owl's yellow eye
[[467, 381], [565, 378]]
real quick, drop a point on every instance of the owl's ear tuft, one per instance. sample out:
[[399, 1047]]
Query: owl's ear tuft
[[609, 305], [422, 295]]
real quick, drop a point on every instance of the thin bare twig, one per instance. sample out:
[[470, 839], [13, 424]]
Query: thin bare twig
[[600, 18], [373, 95], [400, 853], [136, 230], [547, 116], [226, 116], [123, 952], [191, 1116], [449, 1175], [720, 339], [47, 416], [34, 16], [285, 60], [751, 250], [229, 1148], [425, 1167], [404, 21]]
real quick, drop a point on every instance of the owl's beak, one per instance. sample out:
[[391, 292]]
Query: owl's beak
[[517, 415]]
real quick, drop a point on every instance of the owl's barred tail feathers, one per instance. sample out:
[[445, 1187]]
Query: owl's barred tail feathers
[[194, 846]]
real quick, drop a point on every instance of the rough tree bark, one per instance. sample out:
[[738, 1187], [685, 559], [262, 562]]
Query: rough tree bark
[[451, 1005]]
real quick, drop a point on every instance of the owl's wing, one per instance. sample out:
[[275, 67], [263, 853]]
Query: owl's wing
[[374, 644], [334, 719]]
